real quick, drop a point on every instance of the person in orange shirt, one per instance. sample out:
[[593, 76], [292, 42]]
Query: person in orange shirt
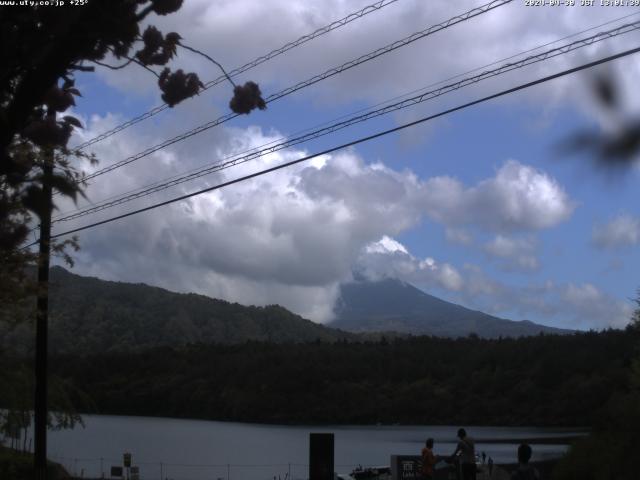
[[428, 460]]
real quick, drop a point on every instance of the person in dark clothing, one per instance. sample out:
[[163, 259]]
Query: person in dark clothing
[[428, 460], [490, 463], [467, 449], [524, 470]]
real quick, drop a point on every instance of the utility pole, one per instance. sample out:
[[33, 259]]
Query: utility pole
[[42, 315]]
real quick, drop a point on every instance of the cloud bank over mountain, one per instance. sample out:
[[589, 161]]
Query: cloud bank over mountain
[[481, 215]]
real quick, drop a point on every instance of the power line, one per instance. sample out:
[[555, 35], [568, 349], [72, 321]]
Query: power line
[[354, 142], [327, 74], [405, 95], [248, 66], [409, 102]]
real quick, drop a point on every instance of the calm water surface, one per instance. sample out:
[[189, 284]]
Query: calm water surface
[[176, 449]]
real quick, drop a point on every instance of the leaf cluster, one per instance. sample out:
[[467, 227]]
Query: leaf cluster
[[37, 84]]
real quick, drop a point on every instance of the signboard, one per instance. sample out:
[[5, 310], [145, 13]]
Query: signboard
[[127, 460], [116, 471], [409, 467], [406, 467]]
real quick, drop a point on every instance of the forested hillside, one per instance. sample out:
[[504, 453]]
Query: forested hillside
[[543, 380], [91, 315]]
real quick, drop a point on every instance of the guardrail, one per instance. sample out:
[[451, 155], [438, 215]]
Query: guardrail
[[100, 468]]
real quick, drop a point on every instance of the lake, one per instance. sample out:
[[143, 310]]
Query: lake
[[166, 448]]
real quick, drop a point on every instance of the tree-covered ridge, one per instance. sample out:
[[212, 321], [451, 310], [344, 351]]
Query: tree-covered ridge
[[544, 380], [89, 315]]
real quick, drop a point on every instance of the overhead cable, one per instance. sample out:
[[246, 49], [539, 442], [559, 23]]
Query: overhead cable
[[408, 102], [248, 66], [379, 104], [317, 78], [352, 143]]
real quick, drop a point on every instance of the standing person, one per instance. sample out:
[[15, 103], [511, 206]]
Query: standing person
[[490, 463], [428, 460], [484, 457], [524, 470], [467, 449]]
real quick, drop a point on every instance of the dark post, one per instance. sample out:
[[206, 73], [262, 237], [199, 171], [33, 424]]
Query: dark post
[[42, 318], [321, 456]]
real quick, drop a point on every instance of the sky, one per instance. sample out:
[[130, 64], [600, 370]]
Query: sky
[[485, 207]]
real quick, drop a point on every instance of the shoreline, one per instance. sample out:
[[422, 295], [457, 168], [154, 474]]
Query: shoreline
[[269, 423], [559, 440]]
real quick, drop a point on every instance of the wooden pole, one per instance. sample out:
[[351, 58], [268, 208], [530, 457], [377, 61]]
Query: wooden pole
[[42, 319]]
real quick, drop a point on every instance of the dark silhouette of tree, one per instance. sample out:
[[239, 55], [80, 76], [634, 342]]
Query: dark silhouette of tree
[[635, 317], [615, 149], [42, 47]]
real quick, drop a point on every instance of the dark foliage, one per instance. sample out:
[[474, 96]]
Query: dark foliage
[[165, 7], [158, 50], [618, 149], [177, 86], [48, 45], [607, 453], [247, 97], [543, 380], [18, 466], [611, 150], [15, 284], [92, 315]]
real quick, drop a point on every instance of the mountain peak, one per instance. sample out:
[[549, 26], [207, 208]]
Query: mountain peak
[[390, 304]]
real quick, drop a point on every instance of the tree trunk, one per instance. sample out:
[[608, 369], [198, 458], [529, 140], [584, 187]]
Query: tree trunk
[[42, 317]]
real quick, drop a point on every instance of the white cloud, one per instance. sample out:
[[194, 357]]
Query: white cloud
[[378, 260], [291, 236], [589, 303], [566, 305], [621, 231], [515, 253], [288, 237], [518, 198], [237, 32]]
